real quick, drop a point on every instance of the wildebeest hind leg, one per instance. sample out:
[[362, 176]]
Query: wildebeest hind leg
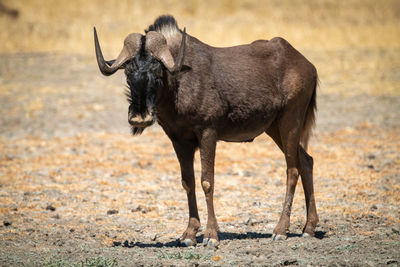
[[305, 165], [286, 134], [306, 172]]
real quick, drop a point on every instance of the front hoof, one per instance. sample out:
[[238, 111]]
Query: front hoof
[[279, 237], [210, 242], [307, 235], [187, 243]]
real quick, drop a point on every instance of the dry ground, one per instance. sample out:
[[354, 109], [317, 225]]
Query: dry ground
[[75, 186]]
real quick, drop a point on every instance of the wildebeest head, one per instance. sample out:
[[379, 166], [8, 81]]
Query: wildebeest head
[[145, 59]]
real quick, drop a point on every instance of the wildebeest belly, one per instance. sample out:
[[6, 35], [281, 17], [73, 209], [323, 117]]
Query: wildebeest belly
[[245, 130]]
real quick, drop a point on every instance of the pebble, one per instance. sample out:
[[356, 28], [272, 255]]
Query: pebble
[[141, 209], [6, 223], [290, 262], [153, 237], [50, 207], [111, 212]]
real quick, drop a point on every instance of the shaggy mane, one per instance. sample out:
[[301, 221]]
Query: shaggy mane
[[166, 25]]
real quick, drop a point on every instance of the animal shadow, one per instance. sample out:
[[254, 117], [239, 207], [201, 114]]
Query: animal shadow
[[253, 235], [221, 236]]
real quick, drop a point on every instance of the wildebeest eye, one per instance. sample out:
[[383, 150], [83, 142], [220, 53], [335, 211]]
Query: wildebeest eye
[[130, 66], [132, 63]]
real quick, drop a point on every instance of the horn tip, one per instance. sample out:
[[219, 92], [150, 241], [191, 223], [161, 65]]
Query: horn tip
[[95, 32]]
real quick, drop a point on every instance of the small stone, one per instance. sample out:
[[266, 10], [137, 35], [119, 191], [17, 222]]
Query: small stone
[[50, 207], [111, 212], [6, 223], [72, 230], [373, 207], [395, 230], [140, 208], [216, 258], [153, 237], [290, 262]]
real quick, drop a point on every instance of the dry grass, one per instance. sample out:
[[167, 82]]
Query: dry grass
[[66, 26]]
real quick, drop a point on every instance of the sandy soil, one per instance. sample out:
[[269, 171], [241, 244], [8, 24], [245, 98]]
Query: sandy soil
[[76, 187]]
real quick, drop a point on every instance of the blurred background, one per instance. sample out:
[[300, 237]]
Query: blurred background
[[355, 36], [66, 26]]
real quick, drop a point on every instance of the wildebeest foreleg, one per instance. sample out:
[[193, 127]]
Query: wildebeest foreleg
[[185, 153], [208, 141]]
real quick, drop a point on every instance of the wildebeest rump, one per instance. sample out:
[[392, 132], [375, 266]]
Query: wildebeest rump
[[201, 94]]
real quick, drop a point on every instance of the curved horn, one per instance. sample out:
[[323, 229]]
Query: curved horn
[[132, 45], [179, 60], [157, 46]]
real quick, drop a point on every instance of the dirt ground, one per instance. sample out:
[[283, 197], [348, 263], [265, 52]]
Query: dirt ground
[[76, 187]]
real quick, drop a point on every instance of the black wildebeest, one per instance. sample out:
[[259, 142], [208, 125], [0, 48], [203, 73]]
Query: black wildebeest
[[200, 94]]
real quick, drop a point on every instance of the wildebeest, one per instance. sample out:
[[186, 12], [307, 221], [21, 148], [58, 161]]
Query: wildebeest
[[201, 94]]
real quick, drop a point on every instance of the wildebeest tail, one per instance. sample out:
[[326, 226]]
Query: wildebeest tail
[[309, 121]]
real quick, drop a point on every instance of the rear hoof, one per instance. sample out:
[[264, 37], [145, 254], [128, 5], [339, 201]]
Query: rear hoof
[[188, 243], [279, 237], [210, 242]]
